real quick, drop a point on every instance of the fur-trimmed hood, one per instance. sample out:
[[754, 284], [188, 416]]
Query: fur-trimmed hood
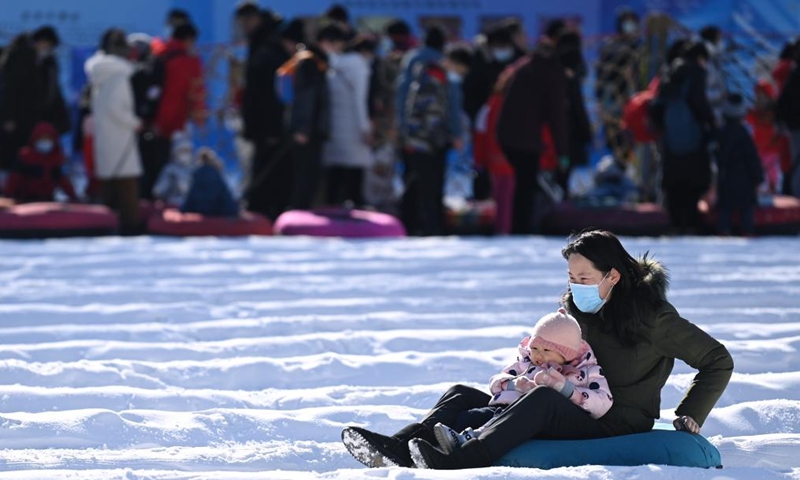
[[656, 276]]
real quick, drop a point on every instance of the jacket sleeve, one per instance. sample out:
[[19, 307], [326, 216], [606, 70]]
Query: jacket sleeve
[[360, 78], [403, 84], [161, 187], [17, 73], [305, 98], [697, 97], [197, 91], [121, 108], [13, 186], [455, 105], [65, 185], [595, 395], [676, 337]]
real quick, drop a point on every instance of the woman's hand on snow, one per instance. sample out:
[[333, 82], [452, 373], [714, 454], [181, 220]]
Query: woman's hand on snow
[[686, 424]]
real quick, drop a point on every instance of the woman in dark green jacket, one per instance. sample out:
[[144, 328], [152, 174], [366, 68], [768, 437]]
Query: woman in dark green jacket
[[636, 334]]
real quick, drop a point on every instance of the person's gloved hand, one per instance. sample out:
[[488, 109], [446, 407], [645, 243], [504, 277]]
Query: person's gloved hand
[[686, 423]]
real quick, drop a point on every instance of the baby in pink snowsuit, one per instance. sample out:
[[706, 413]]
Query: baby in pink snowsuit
[[554, 356]]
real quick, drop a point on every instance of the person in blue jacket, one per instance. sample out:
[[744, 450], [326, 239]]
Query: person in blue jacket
[[209, 194]]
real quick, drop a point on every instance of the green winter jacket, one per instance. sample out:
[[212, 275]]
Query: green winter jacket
[[637, 373]]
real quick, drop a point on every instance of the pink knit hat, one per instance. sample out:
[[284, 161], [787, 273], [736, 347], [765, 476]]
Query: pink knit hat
[[558, 331]]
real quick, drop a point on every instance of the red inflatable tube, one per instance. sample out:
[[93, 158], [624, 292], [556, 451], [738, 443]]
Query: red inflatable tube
[[52, 220], [173, 222], [339, 222]]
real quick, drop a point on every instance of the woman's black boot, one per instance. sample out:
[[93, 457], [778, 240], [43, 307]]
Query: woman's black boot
[[472, 454], [376, 450]]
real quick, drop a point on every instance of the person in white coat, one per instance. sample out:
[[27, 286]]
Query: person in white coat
[[348, 151], [117, 162]]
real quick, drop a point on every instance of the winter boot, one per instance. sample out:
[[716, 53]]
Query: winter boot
[[449, 439], [472, 454], [376, 450]]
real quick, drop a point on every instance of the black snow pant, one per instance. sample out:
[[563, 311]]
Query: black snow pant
[[155, 153], [422, 207], [526, 169], [343, 184], [270, 179], [306, 173], [541, 413], [682, 208]]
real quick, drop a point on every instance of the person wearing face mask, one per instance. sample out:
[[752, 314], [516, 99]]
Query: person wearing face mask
[[432, 126], [535, 98], [617, 78], [173, 182], [39, 171], [716, 85], [183, 99], [621, 306], [494, 52], [347, 153], [683, 114], [31, 92]]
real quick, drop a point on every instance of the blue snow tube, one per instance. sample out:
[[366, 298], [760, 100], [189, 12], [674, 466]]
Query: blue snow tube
[[661, 446]]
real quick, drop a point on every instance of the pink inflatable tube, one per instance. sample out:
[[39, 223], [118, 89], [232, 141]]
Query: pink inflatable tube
[[339, 222]]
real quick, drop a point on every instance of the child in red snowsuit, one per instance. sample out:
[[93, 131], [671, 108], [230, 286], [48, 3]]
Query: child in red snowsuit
[[39, 170]]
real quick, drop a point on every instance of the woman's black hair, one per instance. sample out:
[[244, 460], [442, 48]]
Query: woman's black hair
[[632, 300], [114, 42]]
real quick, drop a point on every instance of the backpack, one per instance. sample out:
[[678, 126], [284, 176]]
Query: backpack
[[683, 134], [285, 75], [426, 126]]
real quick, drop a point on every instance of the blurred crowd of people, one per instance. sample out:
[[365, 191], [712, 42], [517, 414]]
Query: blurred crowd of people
[[326, 114]]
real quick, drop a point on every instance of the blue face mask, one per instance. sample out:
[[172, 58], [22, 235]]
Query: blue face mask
[[454, 77], [503, 55], [44, 146], [587, 297]]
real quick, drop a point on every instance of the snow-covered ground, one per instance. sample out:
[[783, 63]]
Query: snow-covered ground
[[143, 358]]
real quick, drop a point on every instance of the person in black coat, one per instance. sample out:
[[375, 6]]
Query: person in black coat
[[685, 177], [739, 169], [489, 60], [536, 95], [570, 53], [310, 115], [31, 91], [270, 45]]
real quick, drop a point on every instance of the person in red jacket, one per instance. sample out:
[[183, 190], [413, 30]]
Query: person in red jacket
[[490, 157], [761, 119], [182, 99], [38, 172]]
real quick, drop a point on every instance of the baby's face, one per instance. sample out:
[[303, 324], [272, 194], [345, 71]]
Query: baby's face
[[542, 356]]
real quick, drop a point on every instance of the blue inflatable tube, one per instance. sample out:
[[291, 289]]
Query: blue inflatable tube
[[661, 446]]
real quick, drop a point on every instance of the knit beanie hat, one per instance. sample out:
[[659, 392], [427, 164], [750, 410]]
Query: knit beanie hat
[[558, 331]]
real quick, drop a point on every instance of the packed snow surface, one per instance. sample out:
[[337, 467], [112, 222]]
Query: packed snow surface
[[142, 358]]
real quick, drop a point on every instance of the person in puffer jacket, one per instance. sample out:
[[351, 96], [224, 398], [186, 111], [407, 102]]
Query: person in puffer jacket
[[554, 355]]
